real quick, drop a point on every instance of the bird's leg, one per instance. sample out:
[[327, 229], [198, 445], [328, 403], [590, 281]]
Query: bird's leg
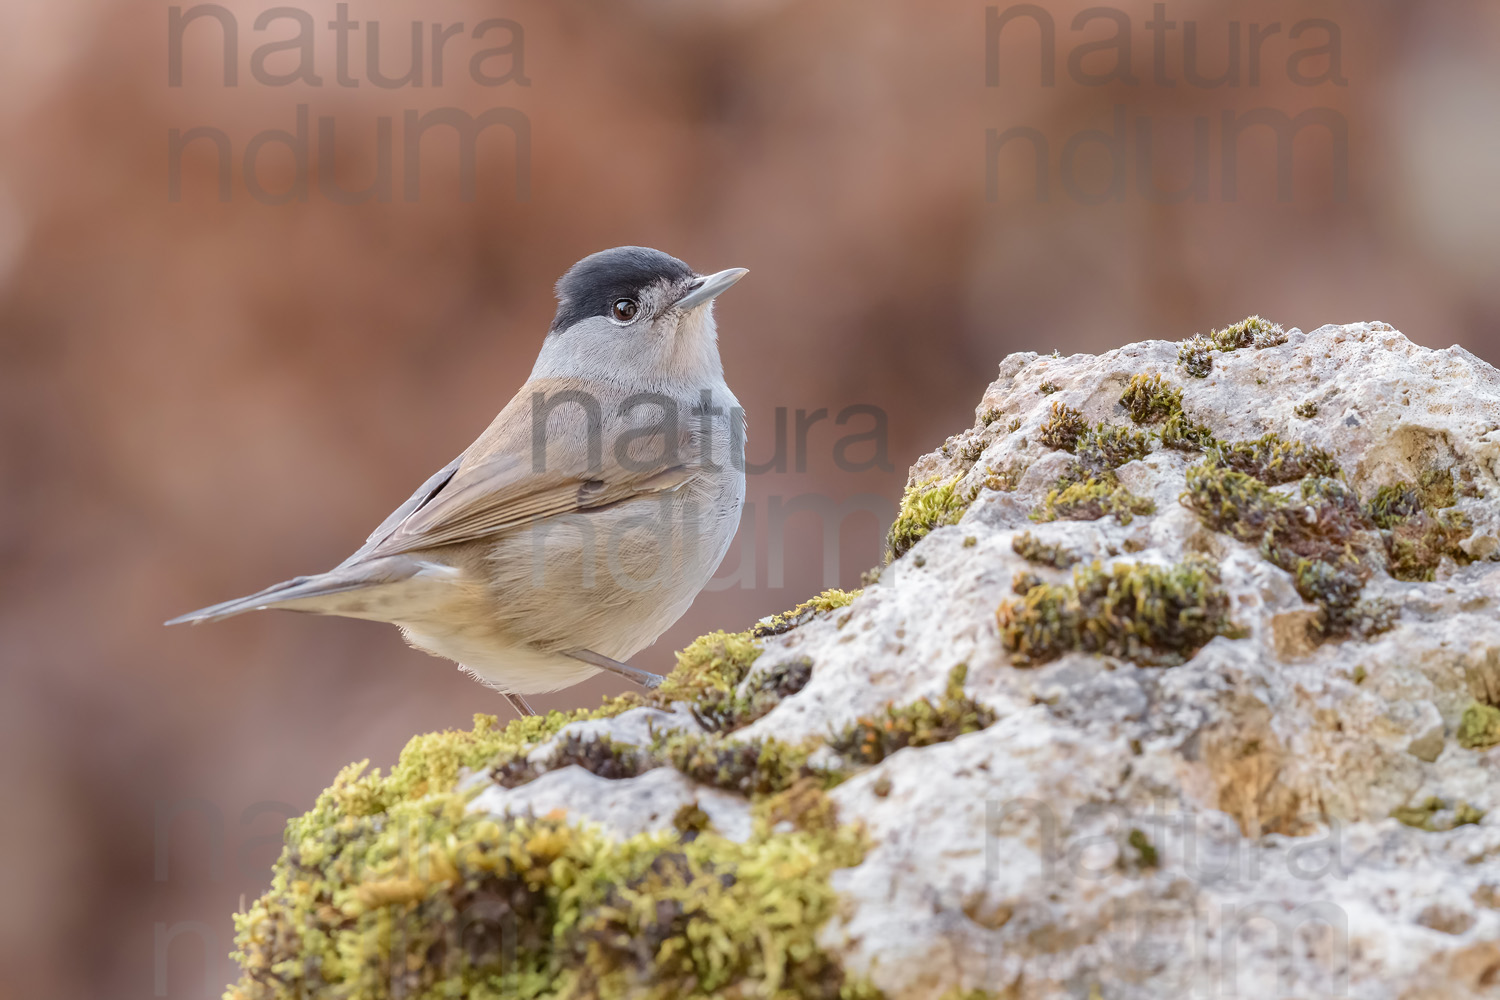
[[644, 678], [521, 705]]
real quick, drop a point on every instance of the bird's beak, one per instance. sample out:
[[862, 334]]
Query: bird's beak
[[708, 287]]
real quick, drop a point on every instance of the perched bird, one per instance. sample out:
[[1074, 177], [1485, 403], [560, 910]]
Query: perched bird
[[587, 516]]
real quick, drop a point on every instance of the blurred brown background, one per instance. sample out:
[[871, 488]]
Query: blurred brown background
[[200, 396]]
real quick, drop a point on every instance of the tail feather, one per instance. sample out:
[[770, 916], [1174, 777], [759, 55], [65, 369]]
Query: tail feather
[[286, 594]]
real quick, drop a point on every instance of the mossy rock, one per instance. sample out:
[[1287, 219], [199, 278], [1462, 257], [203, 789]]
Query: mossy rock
[[1150, 614]]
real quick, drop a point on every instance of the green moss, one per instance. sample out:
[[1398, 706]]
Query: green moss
[[1319, 527], [1089, 489], [1063, 427], [1195, 355], [690, 820], [828, 600], [433, 763], [1027, 547], [390, 887], [924, 506], [1306, 409], [1416, 547], [1149, 399], [724, 712], [1274, 461], [1311, 538], [805, 805], [1252, 331], [1107, 447], [749, 767], [970, 451], [1437, 816], [871, 739], [1092, 499], [595, 754], [1335, 587], [1479, 728], [1024, 581], [1180, 433], [1048, 388], [1417, 530], [1231, 502], [1145, 851], [1004, 480], [1149, 614], [1393, 504], [711, 665]]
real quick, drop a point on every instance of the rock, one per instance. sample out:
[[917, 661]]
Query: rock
[[1168, 769]]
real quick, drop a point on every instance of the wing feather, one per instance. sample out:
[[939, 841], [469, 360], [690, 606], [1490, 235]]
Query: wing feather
[[492, 487]]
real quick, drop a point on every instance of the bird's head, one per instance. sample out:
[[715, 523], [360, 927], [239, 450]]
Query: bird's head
[[635, 314]]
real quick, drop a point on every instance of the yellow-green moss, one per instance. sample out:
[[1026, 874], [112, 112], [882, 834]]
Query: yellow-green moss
[[1150, 614], [391, 887], [1436, 816], [1252, 331], [1181, 433], [1145, 851], [924, 506], [1062, 428], [1307, 409], [1029, 548], [712, 664], [1149, 399], [828, 600], [1274, 461], [1092, 499], [727, 711], [1417, 547], [1417, 530], [871, 739], [596, 754], [1195, 354], [1479, 728], [1106, 447], [690, 820], [752, 768], [1004, 480], [433, 901], [1312, 537]]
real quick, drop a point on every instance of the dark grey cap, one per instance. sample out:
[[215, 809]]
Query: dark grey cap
[[592, 285]]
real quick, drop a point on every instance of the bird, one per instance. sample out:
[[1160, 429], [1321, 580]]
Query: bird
[[589, 514]]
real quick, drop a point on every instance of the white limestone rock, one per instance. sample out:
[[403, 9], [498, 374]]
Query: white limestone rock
[[1217, 828]]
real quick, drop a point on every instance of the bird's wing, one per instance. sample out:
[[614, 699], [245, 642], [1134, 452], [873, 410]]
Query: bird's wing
[[422, 496], [494, 487]]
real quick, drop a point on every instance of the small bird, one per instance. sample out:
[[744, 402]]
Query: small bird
[[587, 516]]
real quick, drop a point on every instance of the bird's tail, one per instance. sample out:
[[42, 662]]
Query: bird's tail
[[317, 594]]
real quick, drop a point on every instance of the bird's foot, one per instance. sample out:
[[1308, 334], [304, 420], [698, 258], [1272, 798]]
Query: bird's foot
[[520, 704], [642, 677]]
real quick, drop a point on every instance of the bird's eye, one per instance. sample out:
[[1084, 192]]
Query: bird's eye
[[624, 310]]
